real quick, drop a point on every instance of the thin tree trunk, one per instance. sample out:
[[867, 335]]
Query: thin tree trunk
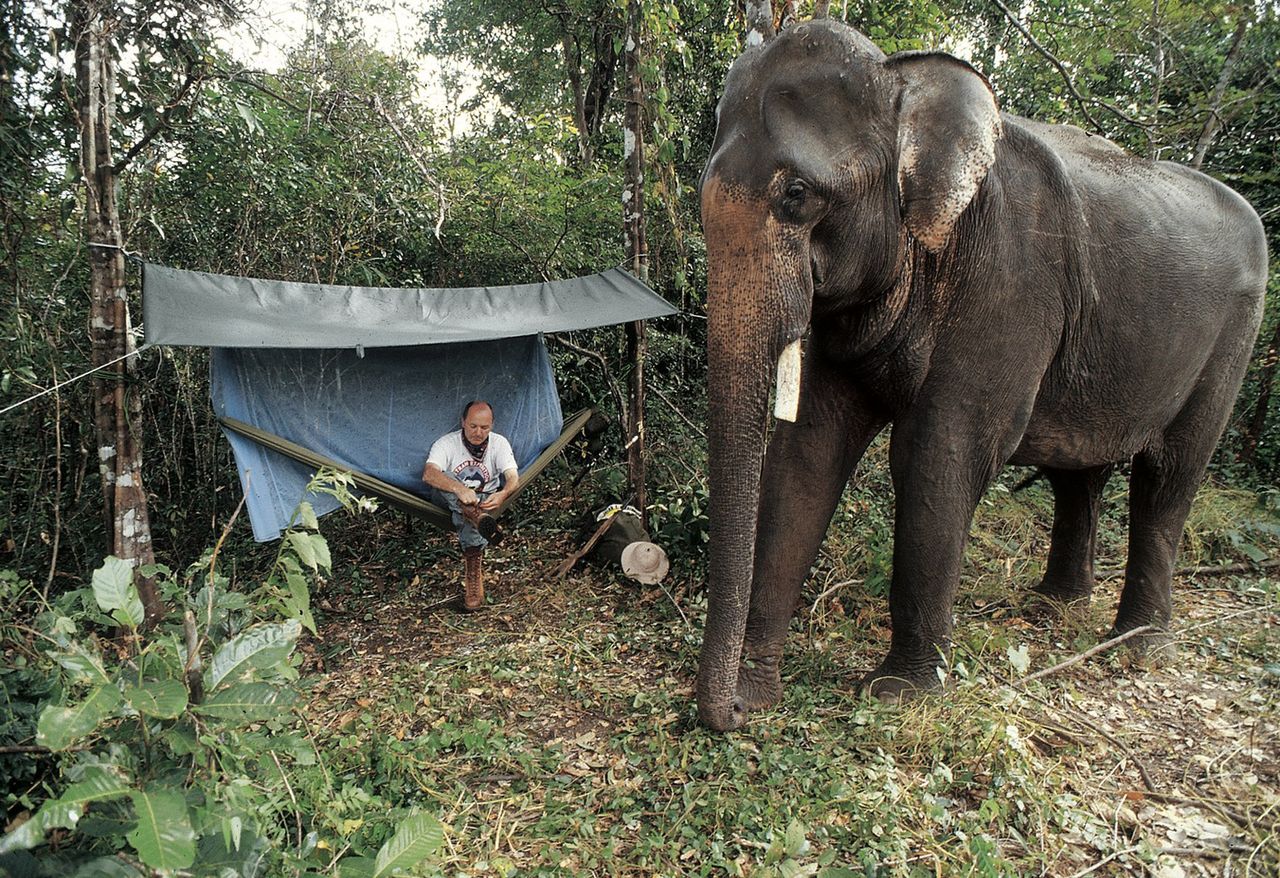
[[117, 410], [1157, 79], [1213, 123], [637, 251], [1266, 380], [759, 15], [573, 71]]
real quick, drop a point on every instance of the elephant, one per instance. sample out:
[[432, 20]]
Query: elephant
[[992, 289]]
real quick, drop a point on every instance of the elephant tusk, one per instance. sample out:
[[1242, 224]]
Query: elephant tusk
[[786, 403]]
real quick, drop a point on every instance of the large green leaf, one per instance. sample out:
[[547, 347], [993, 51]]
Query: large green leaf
[[261, 646], [100, 783], [312, 549], [217, 857], [115, 592], [60, 727], [417, 837], [108, 867], [24, 837], [248, 702], [163, 837], [159, 698], [82, 665], [356, 867]]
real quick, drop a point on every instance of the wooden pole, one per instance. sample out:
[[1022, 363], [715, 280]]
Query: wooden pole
[[637, 251]]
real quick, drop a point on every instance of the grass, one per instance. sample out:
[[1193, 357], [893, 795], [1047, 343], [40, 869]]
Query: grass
[[555, 733]]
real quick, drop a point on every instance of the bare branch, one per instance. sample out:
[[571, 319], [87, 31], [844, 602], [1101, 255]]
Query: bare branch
[[417, 160], [1213, 123], [1066, 76], [194, 75]]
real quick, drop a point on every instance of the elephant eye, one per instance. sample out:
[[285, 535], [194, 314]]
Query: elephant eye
[[795, 190]]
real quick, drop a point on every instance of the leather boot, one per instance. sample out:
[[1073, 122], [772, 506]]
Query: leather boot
[[482, 521], [473, 579]]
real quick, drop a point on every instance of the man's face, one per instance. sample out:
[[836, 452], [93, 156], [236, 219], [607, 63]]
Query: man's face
[[477, 424]]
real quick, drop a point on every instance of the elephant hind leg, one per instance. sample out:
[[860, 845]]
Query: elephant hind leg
[[1077, 497], [1160, 496], [1161, 489]]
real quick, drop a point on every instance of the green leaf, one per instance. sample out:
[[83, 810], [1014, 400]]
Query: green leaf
[[60, 727], [796, 844], [100, 783], [82, 665], [417, 837], [159, 698], [311, 549], [356, 867], [113, 589], [108, 867], [303, 547], [259, 647], [28, 835], [248, 702], [1019, 657], [244, 859], [307, 516], [163, 838]]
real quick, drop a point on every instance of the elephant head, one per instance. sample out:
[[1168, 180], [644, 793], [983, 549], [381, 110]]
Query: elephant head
[[833, 168]]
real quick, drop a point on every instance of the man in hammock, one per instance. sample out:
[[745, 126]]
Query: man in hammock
[[473, 471]]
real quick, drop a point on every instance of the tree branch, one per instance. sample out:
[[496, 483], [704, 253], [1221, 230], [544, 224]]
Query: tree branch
[[1213, 124], [194, 74], [376, 102], [1066, 76]]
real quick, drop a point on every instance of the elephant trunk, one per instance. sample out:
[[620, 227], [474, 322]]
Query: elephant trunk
[[758, 302]]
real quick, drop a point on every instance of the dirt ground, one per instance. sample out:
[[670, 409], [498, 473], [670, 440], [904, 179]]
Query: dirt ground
[[1180, 762]]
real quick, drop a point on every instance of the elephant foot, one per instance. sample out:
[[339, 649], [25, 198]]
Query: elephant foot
[[1154, 648], [1056, 600], [1064, 591], [893, 685], [759, 682]]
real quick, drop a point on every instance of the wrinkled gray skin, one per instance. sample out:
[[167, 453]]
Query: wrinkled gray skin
[[999, 290]]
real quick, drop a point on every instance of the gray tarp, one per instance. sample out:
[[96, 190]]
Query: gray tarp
[[376, 412], [215, 310]]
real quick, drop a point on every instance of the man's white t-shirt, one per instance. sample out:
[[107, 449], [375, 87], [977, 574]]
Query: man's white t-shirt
[[482, 476]]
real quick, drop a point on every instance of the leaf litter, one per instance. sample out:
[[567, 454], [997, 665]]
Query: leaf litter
[[555, 731]]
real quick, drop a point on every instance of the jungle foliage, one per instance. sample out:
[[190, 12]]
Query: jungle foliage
[[333, 169]]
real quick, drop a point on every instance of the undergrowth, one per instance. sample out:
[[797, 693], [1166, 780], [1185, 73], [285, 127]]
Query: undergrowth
[[555, 733]]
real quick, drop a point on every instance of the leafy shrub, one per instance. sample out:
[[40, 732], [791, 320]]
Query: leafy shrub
[[177, 744]]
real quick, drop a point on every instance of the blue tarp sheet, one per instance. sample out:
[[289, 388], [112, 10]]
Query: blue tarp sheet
[[377, 414]]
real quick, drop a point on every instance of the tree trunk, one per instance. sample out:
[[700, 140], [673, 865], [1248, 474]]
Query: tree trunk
[[1213, 123], [759, 16], [117, 407], [573, 71], [1157, 80], [1266, 380], [637, 251]]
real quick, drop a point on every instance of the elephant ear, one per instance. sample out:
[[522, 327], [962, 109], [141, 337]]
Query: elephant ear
[[948, 125]]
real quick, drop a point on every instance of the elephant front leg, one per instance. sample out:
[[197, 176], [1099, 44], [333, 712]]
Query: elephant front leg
[[937, 484], [806, 468], [1077, 497]]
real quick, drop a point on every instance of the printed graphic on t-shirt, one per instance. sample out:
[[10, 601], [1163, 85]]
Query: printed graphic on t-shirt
[[472, 473]]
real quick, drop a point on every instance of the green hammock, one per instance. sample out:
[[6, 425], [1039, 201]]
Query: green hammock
[[397, 497]]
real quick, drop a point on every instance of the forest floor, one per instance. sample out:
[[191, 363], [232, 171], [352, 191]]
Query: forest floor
[[555, 731]]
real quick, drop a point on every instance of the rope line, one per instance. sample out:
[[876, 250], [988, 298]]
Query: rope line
[[131, 256], [62, 384]]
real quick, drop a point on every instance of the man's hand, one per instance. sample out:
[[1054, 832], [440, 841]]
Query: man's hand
[[493, 501], [467, 497]]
